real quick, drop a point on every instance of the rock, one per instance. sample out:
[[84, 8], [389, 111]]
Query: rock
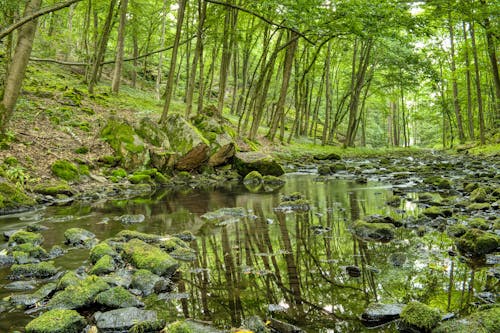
[[54, 189], [100, 250], [484, 321], [438, 181], [329, 156], [21, 285], [298, 205], [194, 158], [12, 198], [24, 237], [381, 232], [245, 162], [188, 326], [68, 279], [131, 219], [120, 277], [324, 170], [378, 314], [79, 295], [183, 254], [127, 235], [152, 133], [420, 316], [284, 327], [182, 135], [272, 183], [152, 258], [127, 144], [477, 243], [104, 265], [376, 218], [39, 270], [479, 195], [353, 271], [223, 155], [118, 297], [57, 321], [144, 281], [120, 320], [66, 170], [79, 237], [435, 211]]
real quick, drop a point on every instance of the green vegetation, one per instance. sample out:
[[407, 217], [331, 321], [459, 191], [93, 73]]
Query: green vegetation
[[22, 237], [79, 295], [65, 170], [104, 265], [145, 256], [57, 321], [420, 315], [477, 242], [100, 250], [12, 196], [117, 297], [37, 270], [178, 327]]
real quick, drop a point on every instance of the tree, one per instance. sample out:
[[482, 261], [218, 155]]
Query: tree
[[115, 85]]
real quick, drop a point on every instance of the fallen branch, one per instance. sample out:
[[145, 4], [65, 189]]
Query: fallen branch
[[35, 15]]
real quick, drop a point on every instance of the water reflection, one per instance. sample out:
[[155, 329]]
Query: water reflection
[[303, 268]]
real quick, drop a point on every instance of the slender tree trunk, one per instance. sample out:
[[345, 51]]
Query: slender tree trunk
[[17, 69], [135, 55], [202, 8], [173, 61], [456, 102], [470, 116], [477, 80], [287, 73], [162, 45], [101, 48], [328, 95], [226, 57], [115, 85]]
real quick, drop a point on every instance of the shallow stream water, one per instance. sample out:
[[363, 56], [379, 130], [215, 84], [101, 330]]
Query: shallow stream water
[[293, 266]]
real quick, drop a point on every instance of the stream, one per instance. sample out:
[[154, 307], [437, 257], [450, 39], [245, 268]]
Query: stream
[[305, 268]]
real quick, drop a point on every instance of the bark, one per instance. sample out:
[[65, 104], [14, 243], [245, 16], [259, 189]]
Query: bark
[[115, 85], [17, 68], [470, 116], [328, 95], [226, 57], [287, 72], [477, 80], [173, 60], [162, 44], [456, 102], [33, 16]]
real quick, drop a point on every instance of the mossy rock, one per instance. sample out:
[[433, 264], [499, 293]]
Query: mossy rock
[[249, 161], [80, 295], [118, 297], [477, 243], [327, 156], [37, 270], [140, 179], [79, 237], [66, 170], [419, 315], [11, 197], [100, 250], [152, 258], [253, 181], [436, 211], [272, 183], [178, 327], [31, 251], [182, 135], [127, 235], [148, 326], [380, 232], [68, 279], [145, 281], [479, 206], [478, 223], [105, 265], [57, 321], [152, 133], [183, 254], [54, 189], [480, 194], [324, 170], [456, 230], [438, 181], [484, 321], [23, 237]]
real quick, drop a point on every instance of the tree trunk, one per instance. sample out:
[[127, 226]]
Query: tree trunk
[[328, 95], [173, 61], [470, 116], [456, 102], [226, 57], [287, 72], [162, 45], [115, 85], [17, 69], [101, 48], [479, 95]]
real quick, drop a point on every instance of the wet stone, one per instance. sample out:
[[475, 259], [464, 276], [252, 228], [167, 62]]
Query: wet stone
[[378, 314], [122, 319]]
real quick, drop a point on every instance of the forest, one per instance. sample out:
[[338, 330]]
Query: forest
[[230, 166]]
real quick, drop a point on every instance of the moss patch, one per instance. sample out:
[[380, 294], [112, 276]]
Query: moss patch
[[100, 250], [477, 243], [12, 197], [23, 237], [420, 315], [65, 170], [117, 297], [57, 321], [486, 321], [79, 295], [178, 327], [104, 265], [382, 232], [145, 256], [54, 189], [38, 270]]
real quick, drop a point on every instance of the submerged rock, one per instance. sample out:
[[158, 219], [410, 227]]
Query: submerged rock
[[378, 314], [121, 320], [381, 232], [57, 321], [245, 162], [79, 237]]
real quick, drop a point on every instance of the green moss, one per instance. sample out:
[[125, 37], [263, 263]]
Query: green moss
[[54, 189], [456, 230], [11, 196], [65, 170], [68, 279], [178, 327], [148, 326], [32, 250], [145, 256], [117, 297], [420, 315], [57, 321], [38, 270], [480, 194], [119, 172], [479, 206], [382, 232], [438, 181], [435, 211], [104, 265], [253, 177], [100, 250], [131, 234], [10, 161], [140, 179], [485, 321], [479, 223], [120, 134], [80, 295], [22, 237], [477, 243], [82, 150]]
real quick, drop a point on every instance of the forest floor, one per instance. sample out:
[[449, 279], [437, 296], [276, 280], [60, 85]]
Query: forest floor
[[57, 119]]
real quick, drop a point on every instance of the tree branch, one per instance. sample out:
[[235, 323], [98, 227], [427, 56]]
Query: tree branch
[[35, 15], [260, 17], [107, 62]]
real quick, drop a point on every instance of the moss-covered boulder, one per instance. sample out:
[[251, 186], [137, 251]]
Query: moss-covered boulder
[[122, 320], [245, 162], [380, 232], [480, 194], [118, 297], [485, 321], [36, 270], [12, 198], [80, 295], [57, 321], [223, 155], [272, 183], [145, 281], [68, 279], [477, 243], [420, 316], [105, 265], [79, 237], [437, 211], [154, 134], [126, 235], [23, 237], [126, 143], [152, 258], [100, 250], [66, 170], [54, 189], [183, 136], [438, 182], [194, 158]]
